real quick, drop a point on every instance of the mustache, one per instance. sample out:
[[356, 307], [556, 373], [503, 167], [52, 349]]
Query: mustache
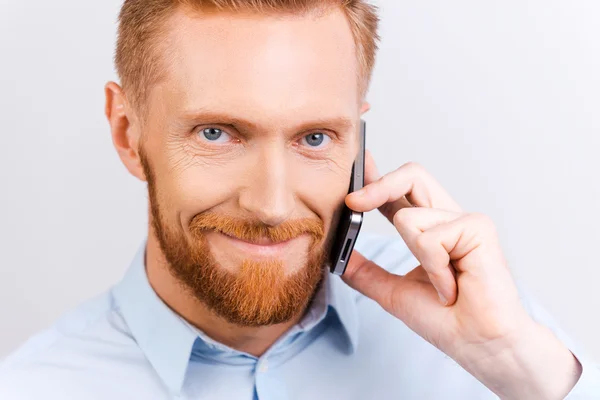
[[253, 231]]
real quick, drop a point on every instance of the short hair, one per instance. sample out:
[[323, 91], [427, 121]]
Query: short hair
[[143, 22]]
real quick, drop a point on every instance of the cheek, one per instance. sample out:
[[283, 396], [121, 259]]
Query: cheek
[[202, 187], [194, 185], [324, 189]]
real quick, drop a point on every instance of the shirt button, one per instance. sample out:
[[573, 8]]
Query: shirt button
[[263, 366]]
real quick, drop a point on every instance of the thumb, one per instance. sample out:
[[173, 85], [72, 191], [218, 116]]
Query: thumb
[[371, 280]]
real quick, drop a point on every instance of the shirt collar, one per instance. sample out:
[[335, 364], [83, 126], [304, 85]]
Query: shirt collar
[[167, 340], [342, 299], [163, 338]]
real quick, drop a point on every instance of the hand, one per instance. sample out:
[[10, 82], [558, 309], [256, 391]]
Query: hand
[[462, 297]]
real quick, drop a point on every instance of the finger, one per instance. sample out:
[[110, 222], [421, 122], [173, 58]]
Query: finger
[[372, 175], [474, 235], [370, 279], [371, 171], [445, 247], [419, 219], [413, 224], [410, 182], [408, 298]]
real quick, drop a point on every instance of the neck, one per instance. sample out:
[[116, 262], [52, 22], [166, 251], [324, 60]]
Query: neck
[[251, 340]]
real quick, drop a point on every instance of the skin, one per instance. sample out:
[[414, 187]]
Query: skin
[[462, 298], [280, 74]]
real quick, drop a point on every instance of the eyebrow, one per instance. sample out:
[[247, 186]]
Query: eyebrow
[[339, 123]]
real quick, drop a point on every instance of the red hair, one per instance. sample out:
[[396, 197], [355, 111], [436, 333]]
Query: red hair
[[143, 22]]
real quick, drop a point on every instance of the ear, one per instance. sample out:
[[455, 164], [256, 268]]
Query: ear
[[365, 107], [125, 134]]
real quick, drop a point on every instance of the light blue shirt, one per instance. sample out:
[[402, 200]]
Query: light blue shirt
[[127, 344]]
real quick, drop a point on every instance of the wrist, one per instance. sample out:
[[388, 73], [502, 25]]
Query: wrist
[[532, 364]]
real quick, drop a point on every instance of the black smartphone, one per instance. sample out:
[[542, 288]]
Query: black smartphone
[[350, 221]]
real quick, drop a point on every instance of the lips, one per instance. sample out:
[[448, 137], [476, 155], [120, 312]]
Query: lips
[[263, 241], [261, 247]]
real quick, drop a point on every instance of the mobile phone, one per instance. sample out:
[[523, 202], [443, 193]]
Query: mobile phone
[[350, 221]]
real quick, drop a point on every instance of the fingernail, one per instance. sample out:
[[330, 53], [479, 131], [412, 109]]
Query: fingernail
[[360, 193], [442, 298]]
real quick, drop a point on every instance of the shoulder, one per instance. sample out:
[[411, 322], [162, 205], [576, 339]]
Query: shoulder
[[81, 347]]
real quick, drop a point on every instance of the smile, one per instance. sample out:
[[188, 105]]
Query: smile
[[263, 247]]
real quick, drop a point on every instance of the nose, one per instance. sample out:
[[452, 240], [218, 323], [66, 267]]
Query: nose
[[268, 195]]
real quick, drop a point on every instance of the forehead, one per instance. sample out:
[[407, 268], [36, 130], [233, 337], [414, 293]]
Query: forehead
[[277, 67]]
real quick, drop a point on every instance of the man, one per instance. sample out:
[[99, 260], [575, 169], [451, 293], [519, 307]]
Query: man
[[242, 117]]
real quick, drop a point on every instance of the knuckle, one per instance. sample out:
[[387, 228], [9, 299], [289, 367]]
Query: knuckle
[[417, 172], [422, 243], [415, 169], [402, 217], [413, 166], [383, 181], [378, 184], [482, 219]]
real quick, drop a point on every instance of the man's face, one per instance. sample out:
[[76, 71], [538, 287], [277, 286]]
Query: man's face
[[248, 148]]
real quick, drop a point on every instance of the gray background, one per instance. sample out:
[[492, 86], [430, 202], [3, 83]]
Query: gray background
[[499, 100]]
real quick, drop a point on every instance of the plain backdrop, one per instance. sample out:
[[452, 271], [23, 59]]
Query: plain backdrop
[[499, 100]]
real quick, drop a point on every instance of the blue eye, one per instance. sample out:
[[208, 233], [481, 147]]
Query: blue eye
[[316, 139], [214, 135]]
